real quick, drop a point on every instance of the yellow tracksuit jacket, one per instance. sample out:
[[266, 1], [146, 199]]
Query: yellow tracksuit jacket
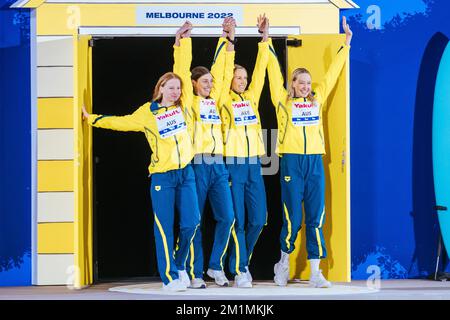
[[241, 125], [294, 135], [207, 135], [167, 129]]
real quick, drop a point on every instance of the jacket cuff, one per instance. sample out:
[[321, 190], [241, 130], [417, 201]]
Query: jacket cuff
[[92, 117]]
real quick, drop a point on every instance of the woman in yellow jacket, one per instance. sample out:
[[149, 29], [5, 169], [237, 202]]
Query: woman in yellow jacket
[[243, 145], [301, 146], [166, 123], [210, 173]]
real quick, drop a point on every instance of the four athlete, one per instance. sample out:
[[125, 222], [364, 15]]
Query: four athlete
[[203, 127]]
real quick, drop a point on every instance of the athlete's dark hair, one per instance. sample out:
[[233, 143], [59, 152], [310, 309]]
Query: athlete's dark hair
[[198, 72]]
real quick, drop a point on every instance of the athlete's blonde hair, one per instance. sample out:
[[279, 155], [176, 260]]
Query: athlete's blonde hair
[[157, 95], [238, 67], [297, 72]]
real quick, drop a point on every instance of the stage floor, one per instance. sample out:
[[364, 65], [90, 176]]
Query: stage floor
[[262, 290]]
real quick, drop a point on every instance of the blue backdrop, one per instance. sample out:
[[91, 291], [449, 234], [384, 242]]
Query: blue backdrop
[[15, 143], [394, 58]]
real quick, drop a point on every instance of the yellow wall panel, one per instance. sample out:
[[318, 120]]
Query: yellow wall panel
[[312, 19], [64, 19], [55, 237], [83, 188], [55, 175], [55, 113], [316, 55]]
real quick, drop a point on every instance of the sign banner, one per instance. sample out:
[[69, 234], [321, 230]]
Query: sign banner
[[201, 15]]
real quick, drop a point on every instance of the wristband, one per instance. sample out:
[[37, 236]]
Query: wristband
[[260, 31], [232, 41]]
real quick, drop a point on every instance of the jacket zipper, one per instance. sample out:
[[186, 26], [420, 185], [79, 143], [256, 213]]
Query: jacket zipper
[[304, 138], [176, 141], [214, 138], [304, 132], [178, 151], [246, 134]]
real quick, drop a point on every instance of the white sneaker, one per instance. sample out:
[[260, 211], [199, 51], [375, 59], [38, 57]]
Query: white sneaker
[[219, 277], [249, 276], [184, 278], [198, 283], [174, 286], [318, 281], [241, 281], [281, 271]]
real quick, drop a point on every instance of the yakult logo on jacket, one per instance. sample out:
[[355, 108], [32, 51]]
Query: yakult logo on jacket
[[241, 104], [208, 112], [303, 105], [168, 115], [305, 114], [243, 113], [170, 122], [209, 102]]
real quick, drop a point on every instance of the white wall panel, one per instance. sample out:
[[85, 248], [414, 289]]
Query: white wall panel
[[54, 51], [55, 207], [55, 269], [55, 144], [54, 82]]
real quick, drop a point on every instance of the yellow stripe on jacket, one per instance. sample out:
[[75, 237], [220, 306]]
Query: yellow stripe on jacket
[[244, 140], [301, 139]]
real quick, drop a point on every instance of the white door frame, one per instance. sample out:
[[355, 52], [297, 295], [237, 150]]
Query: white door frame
[[170, 31]]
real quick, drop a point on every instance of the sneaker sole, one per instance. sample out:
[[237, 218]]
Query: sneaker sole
[[283, 284], [220, 285], [203, 286]]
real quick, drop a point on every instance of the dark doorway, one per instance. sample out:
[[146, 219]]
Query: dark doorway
[[125, 71]]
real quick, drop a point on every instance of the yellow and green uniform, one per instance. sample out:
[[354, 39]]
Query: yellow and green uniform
[[167, 130], [207, 122], [210, 172], [243, 144], [301, 145], [241, 124]]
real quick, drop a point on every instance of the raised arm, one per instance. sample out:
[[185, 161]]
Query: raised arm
[[131, 122], [229, 64], [259, 72], [327, 84], [218, 67], [276, 81], [182, 56]]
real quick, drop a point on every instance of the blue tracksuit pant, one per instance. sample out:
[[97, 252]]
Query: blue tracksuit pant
[[212, 183], [248, 192], [302, 179], [170, 190]]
